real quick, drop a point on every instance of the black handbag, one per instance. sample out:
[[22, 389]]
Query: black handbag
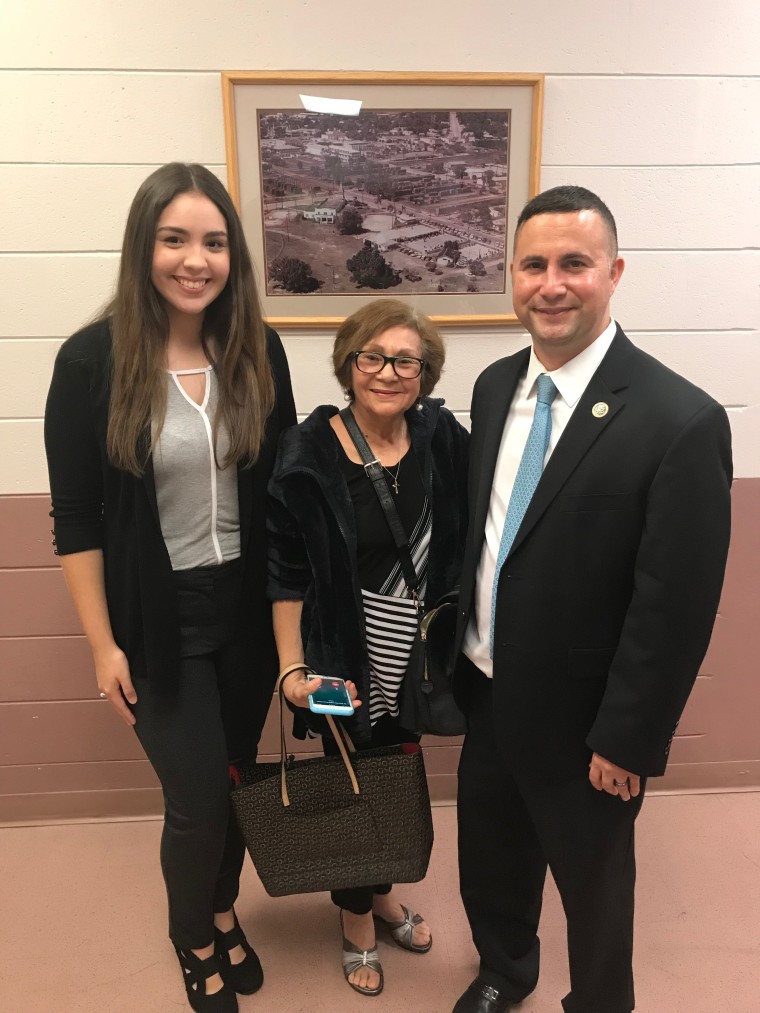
[[426, 703], [333, 822]]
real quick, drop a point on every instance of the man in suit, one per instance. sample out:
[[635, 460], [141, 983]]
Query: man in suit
[[600, 511]]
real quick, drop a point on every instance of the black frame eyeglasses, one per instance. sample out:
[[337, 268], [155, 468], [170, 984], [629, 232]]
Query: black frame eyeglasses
[[411, 367]]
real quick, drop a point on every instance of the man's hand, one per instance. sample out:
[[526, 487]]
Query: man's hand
[[606, 776]]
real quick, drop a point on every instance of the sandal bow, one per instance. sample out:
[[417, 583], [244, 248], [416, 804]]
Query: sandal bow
[[403, 932]]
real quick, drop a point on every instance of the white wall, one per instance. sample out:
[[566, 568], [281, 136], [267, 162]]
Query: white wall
[[655, 104]]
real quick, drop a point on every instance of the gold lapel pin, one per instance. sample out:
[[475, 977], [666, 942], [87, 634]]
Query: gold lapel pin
[[600, 409]]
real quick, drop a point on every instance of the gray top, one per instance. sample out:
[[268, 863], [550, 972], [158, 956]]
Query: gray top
[[197, 502]]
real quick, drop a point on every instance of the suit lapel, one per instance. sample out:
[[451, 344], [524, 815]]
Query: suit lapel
[[581, 432]]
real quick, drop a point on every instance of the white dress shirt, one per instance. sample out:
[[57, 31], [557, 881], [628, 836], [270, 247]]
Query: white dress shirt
[[571, 381]]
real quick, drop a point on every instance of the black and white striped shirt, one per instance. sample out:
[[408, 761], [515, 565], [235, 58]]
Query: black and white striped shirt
[[390, 614]]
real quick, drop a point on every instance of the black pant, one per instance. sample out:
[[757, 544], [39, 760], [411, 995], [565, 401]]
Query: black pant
[[191, 729], [513, 824], [385, 732]]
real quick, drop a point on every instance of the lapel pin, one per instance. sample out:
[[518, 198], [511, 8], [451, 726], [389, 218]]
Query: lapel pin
[[600, 409]]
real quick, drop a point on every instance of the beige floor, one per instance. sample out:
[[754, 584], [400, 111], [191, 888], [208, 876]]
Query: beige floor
[[82, 924]]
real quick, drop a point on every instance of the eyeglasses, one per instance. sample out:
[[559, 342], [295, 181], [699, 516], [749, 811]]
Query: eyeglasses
[[404, 366]]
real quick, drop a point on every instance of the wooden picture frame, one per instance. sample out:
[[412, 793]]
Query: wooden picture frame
[[426, 183]]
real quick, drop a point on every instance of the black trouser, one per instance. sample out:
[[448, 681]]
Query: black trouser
[[385, 732], [512, 824], [190, 729]]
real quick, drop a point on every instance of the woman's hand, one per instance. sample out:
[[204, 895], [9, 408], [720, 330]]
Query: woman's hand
[[84, 576], [297, 688], [114, 680]]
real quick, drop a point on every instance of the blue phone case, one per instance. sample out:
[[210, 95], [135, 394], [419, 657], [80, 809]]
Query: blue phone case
[[331, 707]]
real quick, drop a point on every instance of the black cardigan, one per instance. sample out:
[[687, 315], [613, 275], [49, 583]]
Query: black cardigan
[[312, 539], [98, 506]]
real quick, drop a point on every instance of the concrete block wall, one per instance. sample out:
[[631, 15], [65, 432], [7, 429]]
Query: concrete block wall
[[654, 106]]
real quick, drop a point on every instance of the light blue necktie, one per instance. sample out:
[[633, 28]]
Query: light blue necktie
[[526, 479]]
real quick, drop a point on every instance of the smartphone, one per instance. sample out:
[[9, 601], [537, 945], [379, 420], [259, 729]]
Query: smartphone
[[331, 697]]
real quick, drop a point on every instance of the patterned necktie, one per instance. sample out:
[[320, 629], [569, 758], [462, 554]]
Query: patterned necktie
[[526, 479]]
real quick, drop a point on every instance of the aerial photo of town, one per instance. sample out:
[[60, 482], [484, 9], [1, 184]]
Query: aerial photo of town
[[413, 201]]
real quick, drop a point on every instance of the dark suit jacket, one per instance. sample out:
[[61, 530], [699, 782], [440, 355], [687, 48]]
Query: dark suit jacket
[[608, 596], [98, 506]]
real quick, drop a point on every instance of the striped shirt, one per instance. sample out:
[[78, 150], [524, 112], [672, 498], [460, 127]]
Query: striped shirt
[[390, 613]]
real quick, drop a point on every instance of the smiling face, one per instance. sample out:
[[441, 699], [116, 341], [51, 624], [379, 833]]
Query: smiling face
[[563, 275], [384, 395], [191, 257]]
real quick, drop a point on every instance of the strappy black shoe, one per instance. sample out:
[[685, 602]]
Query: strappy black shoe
[[246, 977], [195, 972]]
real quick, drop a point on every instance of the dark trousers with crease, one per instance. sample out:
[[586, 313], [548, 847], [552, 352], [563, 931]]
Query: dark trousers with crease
[[191, 728], [385, 732], [512, 826]]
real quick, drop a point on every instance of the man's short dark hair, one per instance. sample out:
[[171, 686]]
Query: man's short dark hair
[[566, 199]]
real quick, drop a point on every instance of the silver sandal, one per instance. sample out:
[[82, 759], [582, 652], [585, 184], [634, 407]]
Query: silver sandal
[[403, 932], [353, 958]]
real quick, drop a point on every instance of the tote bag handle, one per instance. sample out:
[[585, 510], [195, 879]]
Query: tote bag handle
[[340, 735]]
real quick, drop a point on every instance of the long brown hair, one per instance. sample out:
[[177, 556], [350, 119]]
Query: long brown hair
[[140, 329]]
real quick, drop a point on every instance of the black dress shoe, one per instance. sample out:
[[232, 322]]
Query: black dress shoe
[[482, 998]]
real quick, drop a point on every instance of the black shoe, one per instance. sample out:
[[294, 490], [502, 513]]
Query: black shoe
[[482, 998], [195, 972], [246, 977]]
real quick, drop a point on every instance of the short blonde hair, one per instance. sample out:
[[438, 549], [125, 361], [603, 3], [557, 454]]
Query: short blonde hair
[[374, 319]]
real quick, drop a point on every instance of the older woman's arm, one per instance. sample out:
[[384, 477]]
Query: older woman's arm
[[286, 619], [289, 580]]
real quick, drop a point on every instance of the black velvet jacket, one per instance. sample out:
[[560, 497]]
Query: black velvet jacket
[[312, 538], [98, 506]]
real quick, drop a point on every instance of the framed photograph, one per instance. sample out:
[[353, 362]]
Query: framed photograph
[[353, 186]]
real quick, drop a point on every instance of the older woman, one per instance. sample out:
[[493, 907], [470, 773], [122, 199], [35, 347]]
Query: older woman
[[341, 604]]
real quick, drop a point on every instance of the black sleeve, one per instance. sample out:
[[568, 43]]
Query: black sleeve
[[74, 466], [289, 569], [459, 439], [678, 578], [286, 409], [462, 459]]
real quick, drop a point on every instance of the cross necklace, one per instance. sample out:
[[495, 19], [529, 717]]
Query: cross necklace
[[394, 483]]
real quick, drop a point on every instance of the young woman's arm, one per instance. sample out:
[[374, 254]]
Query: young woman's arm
[[76, 486], [84, 577]]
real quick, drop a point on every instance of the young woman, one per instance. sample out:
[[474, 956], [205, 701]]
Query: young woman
[[340, 600], [161, 427]]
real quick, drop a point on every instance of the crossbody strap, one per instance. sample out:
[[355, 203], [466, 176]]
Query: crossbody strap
[[374, 472]]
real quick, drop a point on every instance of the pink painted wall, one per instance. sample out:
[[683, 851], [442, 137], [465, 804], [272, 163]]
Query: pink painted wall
[[64, 754]]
